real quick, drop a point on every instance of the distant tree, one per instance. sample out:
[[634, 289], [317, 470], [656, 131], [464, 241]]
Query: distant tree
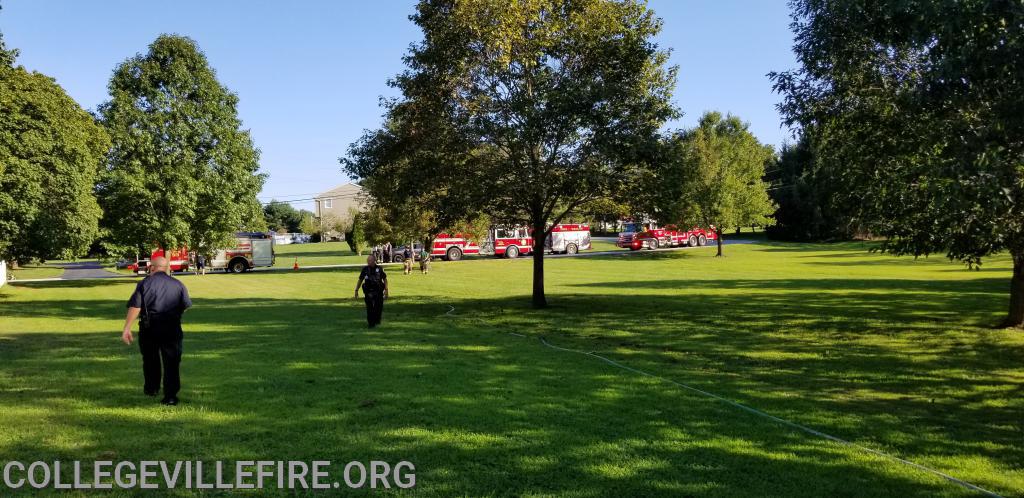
[[724, 165], [376, 226], [546, 100], [309, 224], [182, 171], [51, 151], [281, 215], [604, 211], [417, 169], [805, 192], [917, 105], [356, 234]]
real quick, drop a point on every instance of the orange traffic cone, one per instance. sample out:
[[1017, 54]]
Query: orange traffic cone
[[296, 265]]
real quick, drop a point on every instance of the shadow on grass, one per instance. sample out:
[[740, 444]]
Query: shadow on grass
[[480, 411]]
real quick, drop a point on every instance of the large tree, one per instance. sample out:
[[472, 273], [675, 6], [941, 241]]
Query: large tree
[[917, 107], [280, 215], [723, 167], [182, 171], [551, 98], [50, 153], [805, 192]]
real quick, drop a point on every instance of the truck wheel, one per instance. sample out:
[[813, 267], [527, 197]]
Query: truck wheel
[[703, 240], [454, 254], [512, 252], [238, 265], [571, 249], [654, 244], [398, 259], [692, 241]]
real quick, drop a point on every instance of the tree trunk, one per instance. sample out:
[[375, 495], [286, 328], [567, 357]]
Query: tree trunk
[[1016, 316], [718, 230], [539, 300]]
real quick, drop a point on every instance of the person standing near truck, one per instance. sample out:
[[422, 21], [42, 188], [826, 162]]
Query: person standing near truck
[[374, 282]]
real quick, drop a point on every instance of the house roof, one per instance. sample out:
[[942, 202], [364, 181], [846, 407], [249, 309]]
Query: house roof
[[346, 191]]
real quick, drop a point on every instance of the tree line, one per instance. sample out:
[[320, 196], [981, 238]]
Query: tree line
[[165, 161]]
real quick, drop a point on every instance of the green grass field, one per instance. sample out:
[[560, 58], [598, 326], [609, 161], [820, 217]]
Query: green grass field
[[29, 272], [891, 353]]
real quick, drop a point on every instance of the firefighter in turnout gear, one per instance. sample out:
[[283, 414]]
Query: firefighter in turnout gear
[[374, 282], [424, 261]]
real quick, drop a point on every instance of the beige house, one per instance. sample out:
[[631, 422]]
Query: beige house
[[339, 202]]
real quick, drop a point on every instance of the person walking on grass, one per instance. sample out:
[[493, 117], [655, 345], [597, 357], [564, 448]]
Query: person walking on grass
[[424, 261], [374, 282], [407, 258], [200, 264], [159, 301]]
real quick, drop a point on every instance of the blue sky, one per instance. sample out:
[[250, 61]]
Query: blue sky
[[309, 74]]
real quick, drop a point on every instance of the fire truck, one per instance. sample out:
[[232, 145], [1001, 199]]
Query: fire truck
[[510, 242], [637, 236], [452, 246], [514, 241], [177, 260], [568, 238], [251, 250]]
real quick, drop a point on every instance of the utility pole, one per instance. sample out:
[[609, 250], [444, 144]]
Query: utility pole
[[320, 217]]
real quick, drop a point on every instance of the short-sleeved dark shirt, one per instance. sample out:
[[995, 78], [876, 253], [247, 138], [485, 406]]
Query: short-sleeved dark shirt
[[162, 298], [373, 278]]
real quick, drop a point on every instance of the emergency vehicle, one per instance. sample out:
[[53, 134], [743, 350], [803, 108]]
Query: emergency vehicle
[[509, 242], [568, 238], [452, 246], [251, 250], [637, 236], [177, 260]]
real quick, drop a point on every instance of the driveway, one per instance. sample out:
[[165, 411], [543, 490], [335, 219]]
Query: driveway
[[85, 270]]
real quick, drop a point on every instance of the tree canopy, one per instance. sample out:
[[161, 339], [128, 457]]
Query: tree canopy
[[282, 216], [723, 167], [51, 151], [916, 107], [182, 171], [544, 101]]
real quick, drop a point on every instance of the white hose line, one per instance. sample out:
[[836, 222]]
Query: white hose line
[[793, 425]]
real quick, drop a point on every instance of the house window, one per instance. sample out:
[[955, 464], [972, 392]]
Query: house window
[[328, 203]]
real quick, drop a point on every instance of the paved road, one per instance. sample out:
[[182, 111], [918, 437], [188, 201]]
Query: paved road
[[93, 270], [85, 270]]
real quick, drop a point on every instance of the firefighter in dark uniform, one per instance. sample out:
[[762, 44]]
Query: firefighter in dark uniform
[[374, 282], [159, 301]]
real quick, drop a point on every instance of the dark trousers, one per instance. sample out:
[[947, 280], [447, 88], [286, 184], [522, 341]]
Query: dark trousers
[[161, 344], [374, 306]]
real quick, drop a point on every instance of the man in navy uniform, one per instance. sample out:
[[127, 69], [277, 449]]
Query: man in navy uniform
[[374, 282], [159, 300]]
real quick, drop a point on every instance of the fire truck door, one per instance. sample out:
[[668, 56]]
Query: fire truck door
[[263, 252]]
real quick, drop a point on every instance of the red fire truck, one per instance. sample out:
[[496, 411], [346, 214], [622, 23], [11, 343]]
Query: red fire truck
[[178, 260], [637, 236], [514, 241], [509, 242], [452, 246]]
